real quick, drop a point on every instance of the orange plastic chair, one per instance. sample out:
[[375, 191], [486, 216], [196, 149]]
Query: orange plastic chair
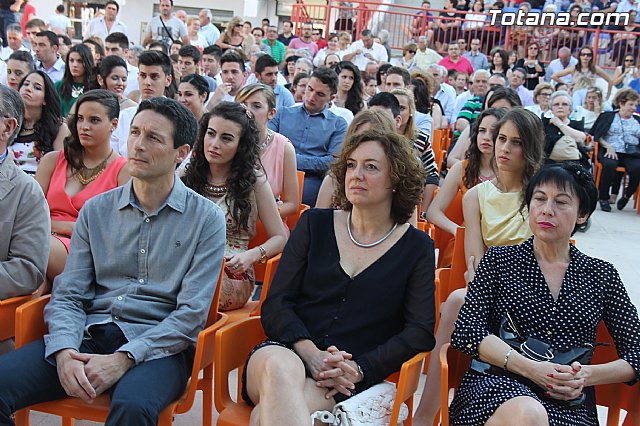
[[30, 326], [597, 167], [252, 308], [293, 219], [441, 237], [453, 364], [8, 315], [235, 341]]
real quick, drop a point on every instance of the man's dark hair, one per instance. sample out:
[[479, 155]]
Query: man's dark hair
[[113, 2], [120, 39], [185, 126], [286, 20], [190, 51], [157, 43], [366, 32], [266, 20], [402, 72], [64, 40], [231, 56], [213, 50], [53, 37], [521, 71], [11, 106], [60, 8], [35, 22], [386, 100], [153, 57], [263, 62], [327, 76]]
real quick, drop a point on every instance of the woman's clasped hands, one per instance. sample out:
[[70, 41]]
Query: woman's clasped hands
[[334, 370], [562, 382]]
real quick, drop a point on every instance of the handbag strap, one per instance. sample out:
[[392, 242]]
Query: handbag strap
[[166, 29]]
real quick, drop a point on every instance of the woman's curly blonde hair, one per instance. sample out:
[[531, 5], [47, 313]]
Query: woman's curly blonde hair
[[406, 173]]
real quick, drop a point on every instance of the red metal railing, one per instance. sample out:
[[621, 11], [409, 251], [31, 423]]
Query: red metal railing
[[406, 23]]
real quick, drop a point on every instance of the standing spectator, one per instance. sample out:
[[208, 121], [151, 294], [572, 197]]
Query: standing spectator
[[165, 28], [287, 33], [28, 13], [278, 48], [532, 65], [477, 59], [320, 137], [60, 23], [102, 26], [455, 62], [24, 241], [426, 56], [46, 50], [364, 50], [305, 41], [516, 82], [118, 44], [209, 31], [7, 17], [181, 15], [564, 61], [14, 42], [195, 38]]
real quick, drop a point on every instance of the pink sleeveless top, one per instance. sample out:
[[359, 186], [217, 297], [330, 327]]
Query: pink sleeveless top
[[65, 208], [273, 162]]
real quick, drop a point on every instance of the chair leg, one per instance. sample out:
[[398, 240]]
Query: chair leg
[[22, 418], [207, 406], [67, 421], [166, 416]]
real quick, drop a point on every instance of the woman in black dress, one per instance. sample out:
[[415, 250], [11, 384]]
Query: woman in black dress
[[555, 294], [353, 296]]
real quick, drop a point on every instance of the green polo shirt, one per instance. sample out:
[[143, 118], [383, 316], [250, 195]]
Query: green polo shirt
[[277, 51]]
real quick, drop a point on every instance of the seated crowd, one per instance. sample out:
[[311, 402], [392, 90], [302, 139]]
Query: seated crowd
[[191, 149]]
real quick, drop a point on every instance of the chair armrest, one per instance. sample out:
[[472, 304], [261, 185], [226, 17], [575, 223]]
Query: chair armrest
[[30, 323], [8, 315]]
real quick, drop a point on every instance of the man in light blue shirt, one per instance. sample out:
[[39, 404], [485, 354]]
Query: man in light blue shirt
[[266, 72], [316, 132], [209, 31], [141, 274], [46, 50]]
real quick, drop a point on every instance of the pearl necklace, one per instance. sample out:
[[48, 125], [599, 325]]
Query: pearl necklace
[[373, 244]]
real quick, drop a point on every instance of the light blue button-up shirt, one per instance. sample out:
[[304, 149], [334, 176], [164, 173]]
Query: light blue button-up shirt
[[284, 98], [153, 275], [316, 137]]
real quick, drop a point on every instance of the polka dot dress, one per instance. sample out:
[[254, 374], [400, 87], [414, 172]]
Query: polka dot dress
[[509, 279]]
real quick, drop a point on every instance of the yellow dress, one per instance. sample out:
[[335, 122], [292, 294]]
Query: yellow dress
[[501, 220]]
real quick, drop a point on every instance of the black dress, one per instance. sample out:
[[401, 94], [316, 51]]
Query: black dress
[[509, 279], [383, 316]]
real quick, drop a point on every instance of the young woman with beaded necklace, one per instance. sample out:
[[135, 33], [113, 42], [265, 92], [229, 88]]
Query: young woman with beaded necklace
[[225, 167], [86, 167]]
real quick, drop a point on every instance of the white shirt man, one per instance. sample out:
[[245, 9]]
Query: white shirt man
[[60, 23], [102, 26], [14, 42], [564, 61], [209, 31], [366, 50]]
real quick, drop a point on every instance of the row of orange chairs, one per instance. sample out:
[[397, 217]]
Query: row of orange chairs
[[597, 172]]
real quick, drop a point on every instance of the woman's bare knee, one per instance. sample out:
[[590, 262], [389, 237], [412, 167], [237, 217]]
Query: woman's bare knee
[[521, 410], [274, 367]]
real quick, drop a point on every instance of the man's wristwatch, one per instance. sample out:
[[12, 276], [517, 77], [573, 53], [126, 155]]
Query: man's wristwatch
[[130, 356]]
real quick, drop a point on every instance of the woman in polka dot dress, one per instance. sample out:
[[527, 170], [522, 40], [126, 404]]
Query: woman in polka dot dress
[[553, 293]]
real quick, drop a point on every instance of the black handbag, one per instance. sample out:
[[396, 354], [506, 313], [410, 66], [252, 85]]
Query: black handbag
[[632, 150], [536, 350]]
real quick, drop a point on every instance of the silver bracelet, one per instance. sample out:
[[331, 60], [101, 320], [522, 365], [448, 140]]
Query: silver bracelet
[[506, 359]]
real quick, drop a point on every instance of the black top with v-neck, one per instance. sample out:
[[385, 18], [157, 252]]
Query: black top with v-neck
[[382, 316]]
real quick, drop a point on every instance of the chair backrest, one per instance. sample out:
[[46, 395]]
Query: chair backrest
[[454, 213], [212, 316], [30, 325], [454, 364], [233, 343], [407, 385], [458, 267], [270, 271], [8, 315]]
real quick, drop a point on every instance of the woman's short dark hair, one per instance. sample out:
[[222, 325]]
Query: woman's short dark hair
[[88, 80], [505, 93], [51, 116], [531, 132], [382, 70], [242, 176], [573, 178], [406, 172], [422, 95], [503, 55], [473, 155], [197, 81], [25, 57], [108, 64], [73, 149]]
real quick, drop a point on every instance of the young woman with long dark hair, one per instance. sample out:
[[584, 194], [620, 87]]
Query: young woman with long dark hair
[[350, 88], [78, 77]]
